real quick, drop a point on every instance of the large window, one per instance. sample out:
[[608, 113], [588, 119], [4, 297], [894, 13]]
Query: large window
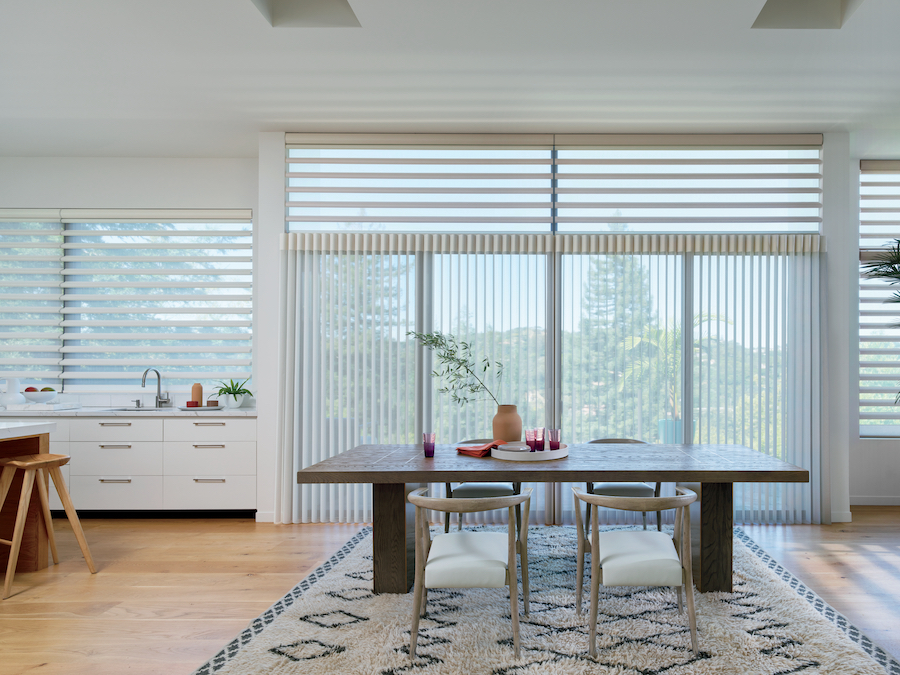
[[668, 294], [879, 313], [93, 299]]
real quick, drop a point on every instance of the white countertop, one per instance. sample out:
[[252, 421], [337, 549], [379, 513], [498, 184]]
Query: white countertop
[[19, 429], [89, 411]]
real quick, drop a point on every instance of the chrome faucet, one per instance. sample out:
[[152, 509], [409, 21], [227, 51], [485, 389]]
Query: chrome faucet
[[160, 399]]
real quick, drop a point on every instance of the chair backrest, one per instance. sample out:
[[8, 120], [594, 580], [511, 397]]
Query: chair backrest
[[682, 498], [466, 505], [617, 440]]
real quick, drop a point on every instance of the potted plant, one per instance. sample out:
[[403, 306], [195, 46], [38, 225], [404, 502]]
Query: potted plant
[[464, 379], [234, 392], [885, 265]]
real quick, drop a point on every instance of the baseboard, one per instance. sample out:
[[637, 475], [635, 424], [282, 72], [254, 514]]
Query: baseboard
[[869, 500], [265, 516], [841, 517], [85, 514]]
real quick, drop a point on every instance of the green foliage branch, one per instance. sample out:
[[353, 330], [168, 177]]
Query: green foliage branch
[[458, 369]]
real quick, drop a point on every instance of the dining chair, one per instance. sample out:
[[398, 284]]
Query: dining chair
[[469, 559], [636, 558], [476, 490], [622, 489]]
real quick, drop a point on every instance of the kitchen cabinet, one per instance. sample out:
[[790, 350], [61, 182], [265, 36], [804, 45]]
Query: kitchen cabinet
[[157, 463]]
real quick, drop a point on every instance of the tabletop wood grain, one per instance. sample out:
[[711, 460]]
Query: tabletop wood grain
[[705, 463]]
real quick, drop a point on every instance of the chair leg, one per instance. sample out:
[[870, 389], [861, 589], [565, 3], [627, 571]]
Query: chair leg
[[644, 516], [416, 611], [579, 572], [66, 500], [692, 617], [6, 479], [523, 557], [16, 541], [41, 480], [459, 522], [514, 610], [446, 522], [678, 595], [595, 601], [659, 521]]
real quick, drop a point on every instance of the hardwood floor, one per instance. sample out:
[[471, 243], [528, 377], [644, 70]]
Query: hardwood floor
[[170, 593]]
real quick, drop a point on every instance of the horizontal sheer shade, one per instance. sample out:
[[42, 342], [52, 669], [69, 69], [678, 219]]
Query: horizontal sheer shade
[[94, 304], [879, 310], [31, 301], [458, 184]]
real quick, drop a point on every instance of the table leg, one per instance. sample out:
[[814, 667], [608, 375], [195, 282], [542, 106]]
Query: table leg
[[716, 536], [393, 538]]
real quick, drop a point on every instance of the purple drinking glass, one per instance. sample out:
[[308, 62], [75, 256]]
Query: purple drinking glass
[[529, 439], [539, 439], [428, 443], [553, 438]]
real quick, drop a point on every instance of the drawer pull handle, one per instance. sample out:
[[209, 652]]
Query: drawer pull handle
[[116, 446], [209, 446], [209, 424], [115, 424], [115, 480], [209, 480]]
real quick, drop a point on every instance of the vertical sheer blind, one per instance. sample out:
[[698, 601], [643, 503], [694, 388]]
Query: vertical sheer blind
[[879, 315], [96, 297], [595, 268]]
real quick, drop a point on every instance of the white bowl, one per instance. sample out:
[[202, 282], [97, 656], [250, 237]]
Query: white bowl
[[39, 396]]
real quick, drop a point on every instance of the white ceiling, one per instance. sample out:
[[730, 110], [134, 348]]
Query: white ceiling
[[189, 78]]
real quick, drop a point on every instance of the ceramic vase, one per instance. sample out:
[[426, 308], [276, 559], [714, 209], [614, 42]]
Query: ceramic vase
[[234, 401], [507, 424], [12, 395]]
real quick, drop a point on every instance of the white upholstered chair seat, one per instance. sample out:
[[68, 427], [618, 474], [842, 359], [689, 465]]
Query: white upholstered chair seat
[[623, 489], [643, 558], [475, 490], [468, 560]]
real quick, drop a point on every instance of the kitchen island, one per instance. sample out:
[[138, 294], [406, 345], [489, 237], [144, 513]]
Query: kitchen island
[[24, 438]]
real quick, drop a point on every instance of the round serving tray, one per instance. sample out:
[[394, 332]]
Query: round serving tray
[[537, 456]]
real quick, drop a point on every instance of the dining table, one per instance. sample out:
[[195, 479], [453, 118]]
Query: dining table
[[710, 469]]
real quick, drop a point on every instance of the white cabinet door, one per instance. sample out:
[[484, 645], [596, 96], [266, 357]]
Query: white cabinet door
[[116, 493], [116, 457], [231, 458], [119, 429], [209, 492]]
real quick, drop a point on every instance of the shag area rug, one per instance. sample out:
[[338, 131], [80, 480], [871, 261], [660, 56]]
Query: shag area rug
[[333, 623]]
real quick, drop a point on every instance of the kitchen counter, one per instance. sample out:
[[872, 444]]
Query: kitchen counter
[[89, 411], [19, 429]]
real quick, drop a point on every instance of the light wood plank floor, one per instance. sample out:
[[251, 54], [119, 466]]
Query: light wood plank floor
[[170, 593]]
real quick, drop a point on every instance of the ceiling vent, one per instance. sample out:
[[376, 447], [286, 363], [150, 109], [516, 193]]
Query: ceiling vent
[[806, 13], [308, 13]]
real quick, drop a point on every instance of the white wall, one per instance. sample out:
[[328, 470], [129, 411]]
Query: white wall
[[874, 463]]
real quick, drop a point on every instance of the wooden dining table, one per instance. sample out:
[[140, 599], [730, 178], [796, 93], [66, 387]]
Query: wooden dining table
[[711, 469]]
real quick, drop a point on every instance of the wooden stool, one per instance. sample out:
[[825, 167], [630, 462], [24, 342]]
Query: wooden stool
[[38, 464]]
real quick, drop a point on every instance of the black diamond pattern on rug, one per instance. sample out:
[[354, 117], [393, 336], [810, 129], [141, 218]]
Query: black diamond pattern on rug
[[306, 650], [333, 619]]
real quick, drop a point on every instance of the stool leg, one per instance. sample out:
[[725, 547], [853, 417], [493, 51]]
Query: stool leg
[[16, 543], [41, 481], [6, 479], [56, 474]]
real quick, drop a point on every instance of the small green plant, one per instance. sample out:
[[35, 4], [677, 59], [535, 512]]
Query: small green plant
[[458, 368], [886, 266], [233, 388]]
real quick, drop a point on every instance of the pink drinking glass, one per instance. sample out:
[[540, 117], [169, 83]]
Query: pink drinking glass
[[428, 443], [539, 439], [529, 438], [553, 438]]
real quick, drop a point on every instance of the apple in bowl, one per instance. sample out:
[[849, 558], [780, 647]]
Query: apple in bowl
[[43, 396]]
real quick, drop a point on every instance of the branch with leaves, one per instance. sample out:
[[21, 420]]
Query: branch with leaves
[[458, 369], [886, 266]]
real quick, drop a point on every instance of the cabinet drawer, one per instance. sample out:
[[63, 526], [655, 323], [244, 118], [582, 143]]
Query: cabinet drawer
[[116, 493], [209, 491], [94, 459], [233, 458], [129, 430], [209, 429], [58, 449]]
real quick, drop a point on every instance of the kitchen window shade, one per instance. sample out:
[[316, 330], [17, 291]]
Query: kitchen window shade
[[94, 297], [879, 316], [171, 295], [31, 297]]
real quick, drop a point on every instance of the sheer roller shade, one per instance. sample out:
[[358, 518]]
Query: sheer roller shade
[[561, 183], [116, 292], [879, 315], [30, 313]]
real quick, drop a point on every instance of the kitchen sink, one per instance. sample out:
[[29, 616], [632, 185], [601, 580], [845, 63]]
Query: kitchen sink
[[141, 409]]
